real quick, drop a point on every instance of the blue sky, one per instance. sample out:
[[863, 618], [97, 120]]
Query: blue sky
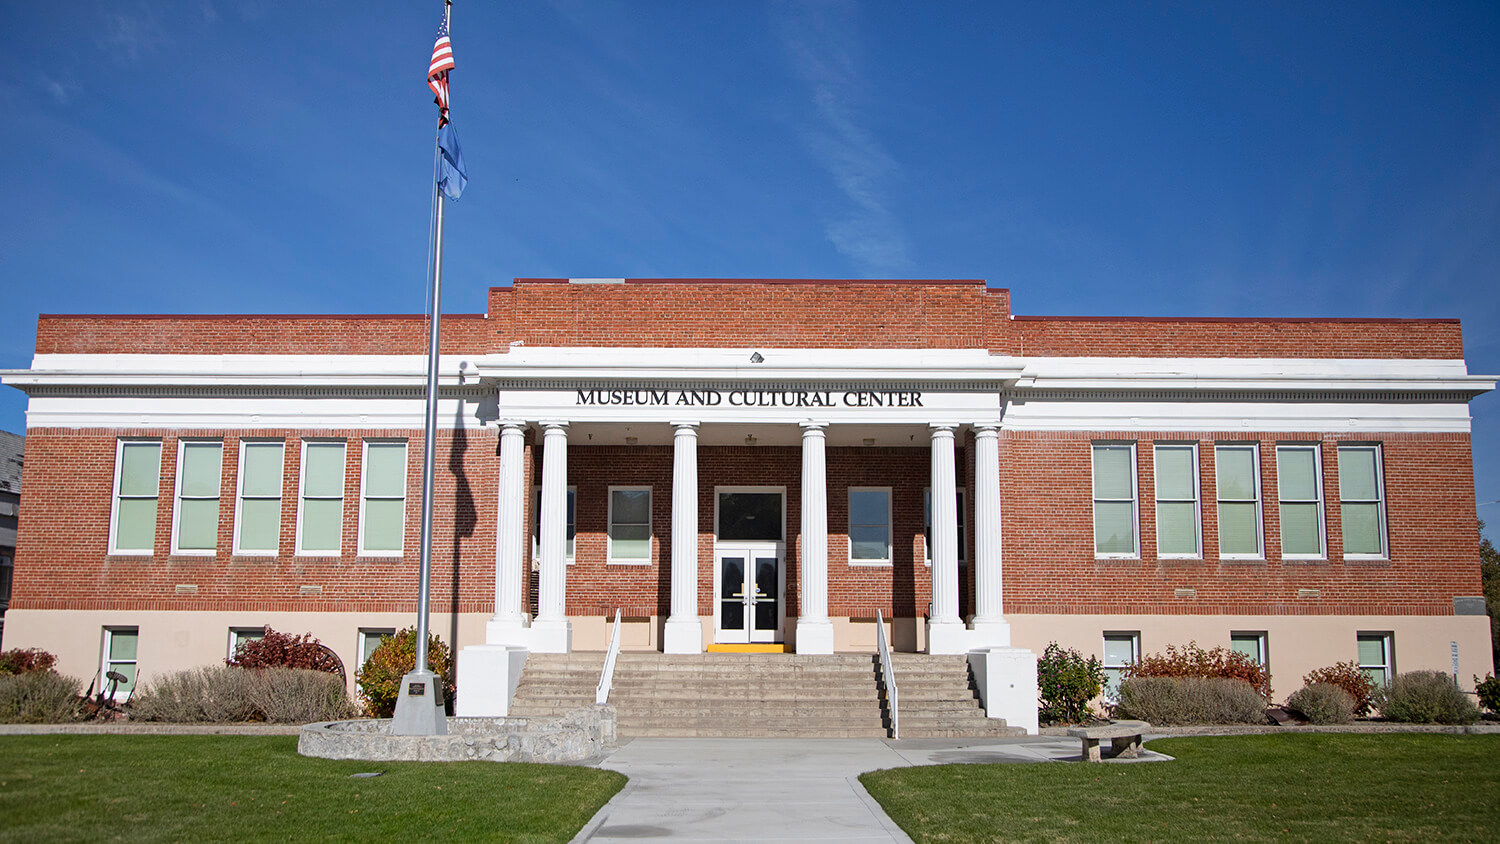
[[1207, 159]]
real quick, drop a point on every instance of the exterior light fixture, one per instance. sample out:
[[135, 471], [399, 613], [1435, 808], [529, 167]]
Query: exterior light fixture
[[756, 358], [632, 440], [749, 439], [869, 440]]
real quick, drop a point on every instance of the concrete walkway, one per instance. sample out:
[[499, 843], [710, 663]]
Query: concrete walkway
[[722, 789]]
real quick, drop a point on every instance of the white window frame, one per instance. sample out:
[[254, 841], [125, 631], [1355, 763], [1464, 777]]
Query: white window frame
[[1132, 636], [1262, 643], [1380, 509], [609, 524], [114, 508], [240, 497], [1260, 498], [1197, 499], [1135, 500], [1387, 641], [364, 493], [963, 526], [890, 530], [241, 634], [302, 496], [1317, 452], [359, 646], [177, 497], [570, 546], [106, 664]]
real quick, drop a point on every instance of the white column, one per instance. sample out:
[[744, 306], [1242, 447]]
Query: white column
[[945, 631], [990, 626], [814, 630], [684, 630], [508, 626], [552, 632]]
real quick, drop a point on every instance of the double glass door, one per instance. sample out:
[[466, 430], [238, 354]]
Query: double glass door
[[748, 578]]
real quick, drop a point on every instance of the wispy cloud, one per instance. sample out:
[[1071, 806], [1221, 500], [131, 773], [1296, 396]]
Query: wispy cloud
[[130, 35], [60, 92], [822, 42]]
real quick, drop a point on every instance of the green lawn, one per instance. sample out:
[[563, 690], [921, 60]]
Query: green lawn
[[1305, 787], [253, 788]]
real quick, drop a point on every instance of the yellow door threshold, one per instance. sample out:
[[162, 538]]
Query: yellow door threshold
[[747, 649]]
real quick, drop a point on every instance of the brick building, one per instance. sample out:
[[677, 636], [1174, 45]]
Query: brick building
[[754, 463]]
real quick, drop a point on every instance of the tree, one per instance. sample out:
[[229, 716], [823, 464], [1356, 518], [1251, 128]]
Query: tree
[[1489, 573]]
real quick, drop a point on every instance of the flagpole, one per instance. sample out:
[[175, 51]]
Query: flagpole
[[429, 431]]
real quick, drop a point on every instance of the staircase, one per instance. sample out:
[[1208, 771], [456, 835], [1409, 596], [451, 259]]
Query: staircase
[[760, 695]]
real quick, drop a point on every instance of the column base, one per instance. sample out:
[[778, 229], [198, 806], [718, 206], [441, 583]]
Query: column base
[[683, 636], [552, 637], [419, 706], [490, 674], [815, 637], [947, 637], [989, 634], [515, 632]]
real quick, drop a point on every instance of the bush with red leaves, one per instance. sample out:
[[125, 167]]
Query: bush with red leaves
[[1193, 661], [283, 650], [25, 661]]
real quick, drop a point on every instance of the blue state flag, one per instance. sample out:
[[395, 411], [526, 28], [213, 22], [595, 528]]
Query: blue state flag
[[452, 177]]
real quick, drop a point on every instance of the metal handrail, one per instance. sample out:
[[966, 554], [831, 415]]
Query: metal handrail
[[888, 674], [607, 676]]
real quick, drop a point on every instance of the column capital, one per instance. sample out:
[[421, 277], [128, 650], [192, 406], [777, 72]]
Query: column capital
[[987, 429], [685, 427], [553, 424], [518, 425], [942, 430], [813, 428]]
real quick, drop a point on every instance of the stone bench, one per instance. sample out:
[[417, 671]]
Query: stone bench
[[1124, 735]]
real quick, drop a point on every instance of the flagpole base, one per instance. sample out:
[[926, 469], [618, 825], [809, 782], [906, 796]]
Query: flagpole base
[[419, 706]]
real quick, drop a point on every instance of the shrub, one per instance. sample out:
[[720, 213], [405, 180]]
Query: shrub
[[213, 693], [1193, 661], [39, 697], [1066, 682], [1167, 701], [1323, 703], [1489, 692], [299, 696], [1426, 697], [25, 661], [283, 650], [379, 678], [1349, 677], [221, 694]]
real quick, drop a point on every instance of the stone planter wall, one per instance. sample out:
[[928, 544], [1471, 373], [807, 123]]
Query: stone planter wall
[[581, 734]]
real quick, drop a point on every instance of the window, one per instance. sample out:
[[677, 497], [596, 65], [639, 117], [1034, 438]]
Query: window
[[132, 530], [1252, 645], [536, 522], [257, 519], [1177, 532], [1120, 650], [1299, 491], [195, 529], [1114, 501], [629, 524], [1362, 501], [119, 657], [382, 515], [869, 525], [320, 520], [963, 531], [369, 640], [1376, 657], [1237, 475], [240, 635]]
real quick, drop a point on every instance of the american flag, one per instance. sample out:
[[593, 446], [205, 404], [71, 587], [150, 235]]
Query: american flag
[[437, 71]]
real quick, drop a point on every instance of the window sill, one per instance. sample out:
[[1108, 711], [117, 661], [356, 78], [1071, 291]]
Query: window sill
[[1367, 562], [1246, 562], [1115, 558], [1366, 558], [190, 558], [633, 563], [869, 564], [318, 555], [1304, 561], [150, 553], [1241, 558]]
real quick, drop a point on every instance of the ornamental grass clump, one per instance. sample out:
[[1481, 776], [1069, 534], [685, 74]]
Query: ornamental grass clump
[[379, 679], [1193, 661], [1173, 701], [1349, 677], [1066, 682], [300, 696], [1426, 697], [1323, 703], [39, 697], [222, 694]]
